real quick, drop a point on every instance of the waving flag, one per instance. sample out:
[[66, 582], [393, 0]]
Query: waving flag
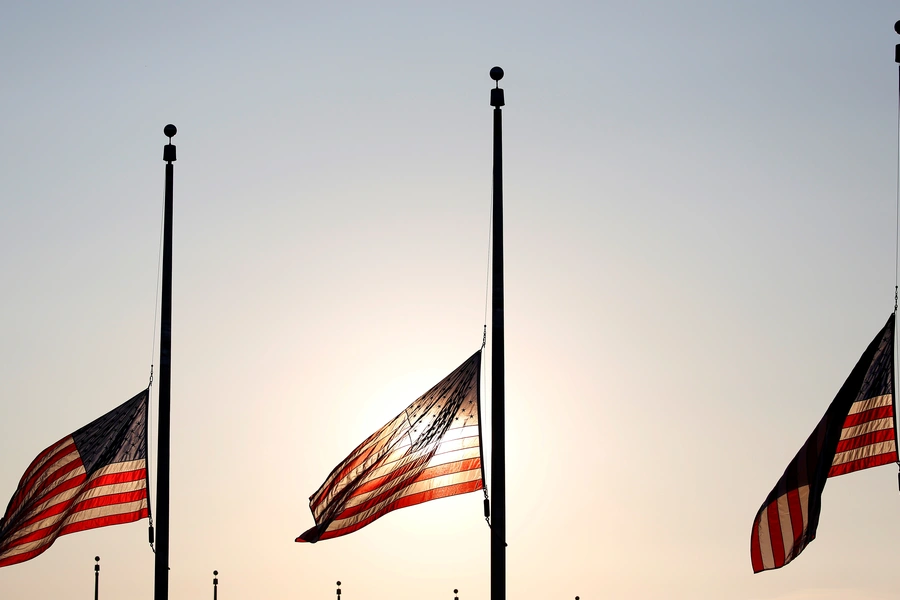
[[430, 450], [93, 478], [858, 431]]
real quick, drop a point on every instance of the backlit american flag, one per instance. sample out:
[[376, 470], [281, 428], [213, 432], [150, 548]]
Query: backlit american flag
[[430, 450], [857, 432], [93, 478]]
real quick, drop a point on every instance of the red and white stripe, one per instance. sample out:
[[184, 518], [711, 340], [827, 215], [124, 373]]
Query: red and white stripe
[[867, 437], [403, 481], [56, 497], [780, 528]]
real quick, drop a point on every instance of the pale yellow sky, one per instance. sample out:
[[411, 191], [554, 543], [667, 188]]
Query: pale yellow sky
[[700, 237]]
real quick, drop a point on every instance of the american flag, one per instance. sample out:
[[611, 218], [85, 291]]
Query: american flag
[[857, 432], [430, 450], [93, 478]]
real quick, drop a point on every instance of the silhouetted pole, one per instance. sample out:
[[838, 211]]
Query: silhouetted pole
[[339, 590], [455, 597], [498, 433], [97, 578], [161, 566], [215, 584], [897, 60]]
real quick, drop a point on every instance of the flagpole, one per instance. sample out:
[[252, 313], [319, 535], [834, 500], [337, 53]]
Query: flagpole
[[498, 433], [897, 234], [97, 578], [215, 585], [161, 566]]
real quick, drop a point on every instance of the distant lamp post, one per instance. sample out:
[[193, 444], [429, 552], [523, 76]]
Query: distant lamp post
[[97, 578], [897, 47], [215, 584]]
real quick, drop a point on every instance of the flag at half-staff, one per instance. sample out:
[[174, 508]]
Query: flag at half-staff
[[857, 432], [430, 450], [95, 477]]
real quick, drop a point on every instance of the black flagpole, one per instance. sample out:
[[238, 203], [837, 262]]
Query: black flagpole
[[215, 585], [97, 578], [897, 233], [161, 566], [498, 434]]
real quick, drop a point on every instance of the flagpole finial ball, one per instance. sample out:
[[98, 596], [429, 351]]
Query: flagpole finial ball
[[496, 73], [455, 591], [215, 572], [97, 558], [170, 130], [897, 26], [339, 583]]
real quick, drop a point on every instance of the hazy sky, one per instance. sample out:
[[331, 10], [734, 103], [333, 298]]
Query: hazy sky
[[700, 239]]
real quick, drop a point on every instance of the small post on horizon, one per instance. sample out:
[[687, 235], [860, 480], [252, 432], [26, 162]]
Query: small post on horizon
[[498, 432], [161, 564], [897, 47], [97, 578], [215, 585], [338, 590], [455, 597]]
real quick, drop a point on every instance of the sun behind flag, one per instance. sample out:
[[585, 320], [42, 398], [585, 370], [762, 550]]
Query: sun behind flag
[[857, 432], [430, 450], [93, 478]]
